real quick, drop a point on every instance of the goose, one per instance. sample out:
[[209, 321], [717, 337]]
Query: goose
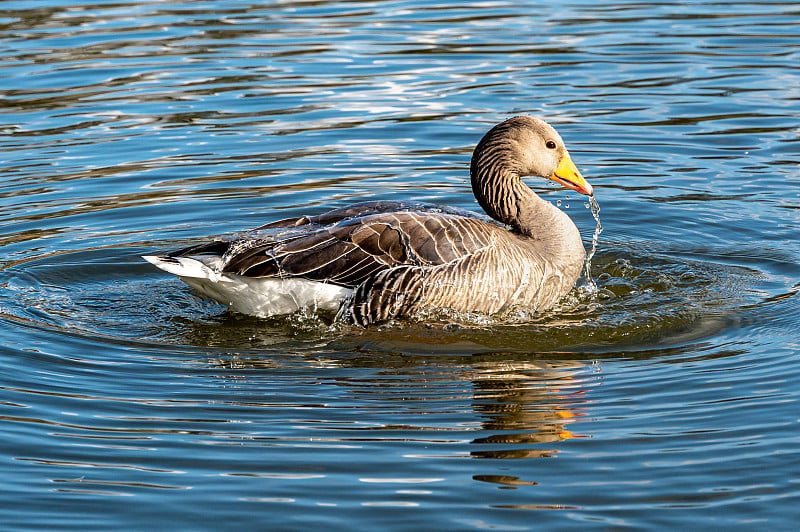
[[380, 260]]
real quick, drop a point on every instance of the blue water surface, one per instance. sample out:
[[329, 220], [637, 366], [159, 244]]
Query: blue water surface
[[665, 399]]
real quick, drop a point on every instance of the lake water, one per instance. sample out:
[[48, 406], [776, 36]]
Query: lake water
[[666, 399]]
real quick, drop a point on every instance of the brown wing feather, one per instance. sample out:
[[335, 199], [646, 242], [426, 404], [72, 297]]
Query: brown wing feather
[[350, 245], [352, 250]]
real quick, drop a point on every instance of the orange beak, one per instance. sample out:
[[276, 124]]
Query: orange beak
[[567, 174]]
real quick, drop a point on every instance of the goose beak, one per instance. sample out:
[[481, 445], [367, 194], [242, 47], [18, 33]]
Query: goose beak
[[567, 174]]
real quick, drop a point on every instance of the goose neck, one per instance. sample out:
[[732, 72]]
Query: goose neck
[[499, 189]]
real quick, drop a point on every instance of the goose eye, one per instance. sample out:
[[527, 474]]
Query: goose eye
[[550, 145]]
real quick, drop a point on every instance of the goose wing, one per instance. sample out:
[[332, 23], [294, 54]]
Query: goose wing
[[352, 248]]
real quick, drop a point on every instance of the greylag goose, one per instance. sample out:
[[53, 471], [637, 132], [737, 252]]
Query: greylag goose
[[375, 261]]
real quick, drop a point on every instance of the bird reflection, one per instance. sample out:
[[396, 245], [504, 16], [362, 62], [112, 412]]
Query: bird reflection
[[523, 405]]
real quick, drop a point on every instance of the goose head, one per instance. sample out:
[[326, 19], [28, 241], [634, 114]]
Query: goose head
[[520, 146], [541, 152]]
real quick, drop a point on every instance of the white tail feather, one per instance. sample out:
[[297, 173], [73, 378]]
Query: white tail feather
[[256, 296]]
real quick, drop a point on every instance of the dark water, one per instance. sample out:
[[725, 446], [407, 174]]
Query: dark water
[[666, 399]]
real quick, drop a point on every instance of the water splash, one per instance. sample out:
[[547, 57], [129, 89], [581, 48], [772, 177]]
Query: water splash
[[237, 246], [587, 266]]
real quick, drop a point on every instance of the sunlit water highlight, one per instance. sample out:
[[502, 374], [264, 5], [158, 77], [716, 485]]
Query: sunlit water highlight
[[666, 397]]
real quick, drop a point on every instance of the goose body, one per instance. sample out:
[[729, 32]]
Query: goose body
[[375, 261]]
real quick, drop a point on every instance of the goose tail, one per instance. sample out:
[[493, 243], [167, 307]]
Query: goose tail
[[186, 267], [263, 297]]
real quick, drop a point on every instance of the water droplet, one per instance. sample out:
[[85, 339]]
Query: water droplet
[[595, 238], [558, 203]]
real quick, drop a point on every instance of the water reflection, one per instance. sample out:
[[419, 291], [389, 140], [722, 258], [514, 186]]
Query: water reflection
[[522, 403], [132, 126], [486, 406], [526, 404]]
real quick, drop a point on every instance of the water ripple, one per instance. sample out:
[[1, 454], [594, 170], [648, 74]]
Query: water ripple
[[131, 127]]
